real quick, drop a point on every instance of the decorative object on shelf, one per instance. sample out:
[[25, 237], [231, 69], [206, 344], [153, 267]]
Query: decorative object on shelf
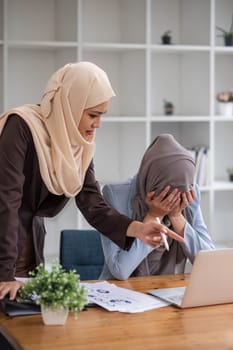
[[57, 291], [225, 102], [227, 35], [168, 107], [166, 37], [225, 109], [230, 174]]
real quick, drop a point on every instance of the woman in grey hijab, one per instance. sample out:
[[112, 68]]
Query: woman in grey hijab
[[163, 188]]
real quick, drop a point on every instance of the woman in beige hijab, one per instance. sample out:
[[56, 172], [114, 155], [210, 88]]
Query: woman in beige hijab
[[46, 156]]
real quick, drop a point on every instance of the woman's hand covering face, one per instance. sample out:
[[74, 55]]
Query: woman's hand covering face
[[164, 203]]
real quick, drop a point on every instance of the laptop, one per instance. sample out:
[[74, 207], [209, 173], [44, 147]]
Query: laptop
[[210, 281]]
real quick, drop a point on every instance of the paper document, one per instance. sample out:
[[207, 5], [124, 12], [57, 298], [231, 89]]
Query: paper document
[[113, 298], [22, 279]]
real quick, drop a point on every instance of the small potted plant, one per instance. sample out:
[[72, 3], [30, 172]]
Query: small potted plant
[[227, 35], [230, 173], [225, 102], [166, 37], [57, 291], [168, 107]]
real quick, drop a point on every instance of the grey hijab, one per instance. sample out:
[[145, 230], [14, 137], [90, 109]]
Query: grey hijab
[[165, 162]]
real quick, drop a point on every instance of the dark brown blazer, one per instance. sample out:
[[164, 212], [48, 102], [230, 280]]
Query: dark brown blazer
[[25, 201]]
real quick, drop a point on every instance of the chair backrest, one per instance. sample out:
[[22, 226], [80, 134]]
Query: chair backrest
[[82, 250]]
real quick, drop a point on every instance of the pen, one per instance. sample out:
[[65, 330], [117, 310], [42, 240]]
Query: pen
[[164, 237]]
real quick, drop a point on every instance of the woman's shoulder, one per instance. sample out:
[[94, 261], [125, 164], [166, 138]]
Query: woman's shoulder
[[119, 188], [197, 190], [17, 126], [195, 204], [119, 185], [118, 194]]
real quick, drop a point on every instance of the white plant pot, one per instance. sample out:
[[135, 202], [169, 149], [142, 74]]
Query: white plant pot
[[53, 316], [225, 109]]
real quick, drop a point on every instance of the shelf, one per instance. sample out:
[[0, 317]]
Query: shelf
[[124, 38], [123, 119], [118, 47], [179, 118], [223, 17], [166, 14], [121, 67], [221, 50], [222, 216], [48, 20], [34, 76], [24, 44], [171, 78], [188, 133], [158, 118], [223, 150], [223, 186], [205, 189], [179, 48], [111, 139], [114, 21], [222, 118], [223, 244]]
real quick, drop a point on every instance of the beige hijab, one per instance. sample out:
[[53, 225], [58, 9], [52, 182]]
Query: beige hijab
[[63, 154]]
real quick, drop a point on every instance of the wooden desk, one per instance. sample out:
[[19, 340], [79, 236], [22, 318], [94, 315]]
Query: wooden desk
[[165, 328]]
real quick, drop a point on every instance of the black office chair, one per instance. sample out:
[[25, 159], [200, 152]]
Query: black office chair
[[82, 250]]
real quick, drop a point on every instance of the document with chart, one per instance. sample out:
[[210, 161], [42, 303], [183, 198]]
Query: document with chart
[[113, 298]]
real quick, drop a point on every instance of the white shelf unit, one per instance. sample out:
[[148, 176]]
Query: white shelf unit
[[123, 37]]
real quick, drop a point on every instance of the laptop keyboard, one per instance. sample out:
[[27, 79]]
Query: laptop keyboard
[[176, 298], [172, 295]]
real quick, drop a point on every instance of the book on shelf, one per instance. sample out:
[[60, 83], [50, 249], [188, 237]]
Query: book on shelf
[[201, 157]]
